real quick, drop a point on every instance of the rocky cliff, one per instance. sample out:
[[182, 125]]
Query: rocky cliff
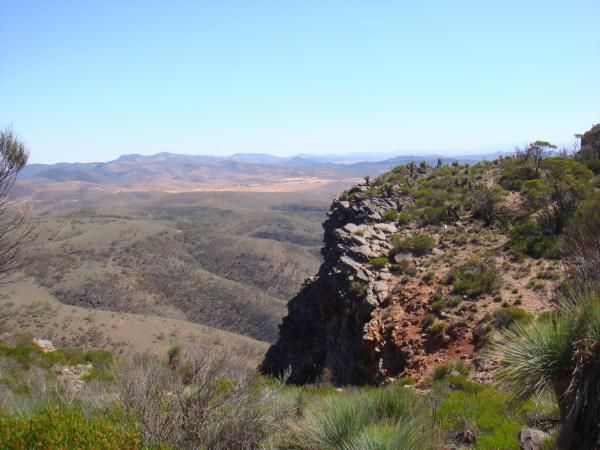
[[372, 313], [323, 334]]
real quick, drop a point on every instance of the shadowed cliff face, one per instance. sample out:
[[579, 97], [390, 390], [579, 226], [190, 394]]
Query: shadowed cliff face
[[323, 335]]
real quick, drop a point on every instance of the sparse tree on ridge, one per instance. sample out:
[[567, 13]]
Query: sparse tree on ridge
[[537, 151]]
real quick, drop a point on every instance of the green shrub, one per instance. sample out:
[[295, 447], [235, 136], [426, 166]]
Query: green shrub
[[406, 381], [437, 327], [101, 359], [391, 215], [378, 262], [505, 317], [528, 239], [418, 244], [65, 426], [454, 300], [593, 165], [405, 266], [428, 320], [23, 355], [437, 306], [455, 368], [431, 215], [96, 374], [403, 218], [428, 277], [359, 288], [514, 173], [474, 278]]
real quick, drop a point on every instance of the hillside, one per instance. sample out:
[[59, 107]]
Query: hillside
[[29, 310], [219, 241], [225, 260], [423, 266]]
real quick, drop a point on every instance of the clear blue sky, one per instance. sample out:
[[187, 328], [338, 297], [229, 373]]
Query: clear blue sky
[[84, 81]]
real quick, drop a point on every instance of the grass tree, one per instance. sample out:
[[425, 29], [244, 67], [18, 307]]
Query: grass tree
[[561, 353]]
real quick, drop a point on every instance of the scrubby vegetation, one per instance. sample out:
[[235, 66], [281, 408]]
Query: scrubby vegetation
[[520, 213], [418, 244], [198, 400], [66, 426], [474, 278]]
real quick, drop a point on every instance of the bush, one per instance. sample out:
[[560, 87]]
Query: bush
[[457, 368], [428, 277], [405, 266], [437, 306], [359, 288], [514, 173], [505, 317], [454, 300], [428, 320], [204, 403], [65, 426], [391, 215], [378, 262], [437, 327], [403, 218], [528, 239], [434, 215], [474, 278], [418, 244], [101, 359]]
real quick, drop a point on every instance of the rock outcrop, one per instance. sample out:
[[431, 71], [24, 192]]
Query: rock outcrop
[[386, 301], [323, 333]]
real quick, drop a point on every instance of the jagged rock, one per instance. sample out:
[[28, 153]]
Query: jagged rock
[[325, 321], [532, 439]]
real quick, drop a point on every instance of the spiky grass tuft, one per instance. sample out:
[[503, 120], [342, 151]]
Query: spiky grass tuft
[[386, 418], [533, 356]]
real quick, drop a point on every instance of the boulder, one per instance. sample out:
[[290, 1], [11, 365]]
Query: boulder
[[532, 439], [44, 345]]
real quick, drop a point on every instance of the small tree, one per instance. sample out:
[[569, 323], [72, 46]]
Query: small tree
[[14, 228], [486, 200], [537, 151]]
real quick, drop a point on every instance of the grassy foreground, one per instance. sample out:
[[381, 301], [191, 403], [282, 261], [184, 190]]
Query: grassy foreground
[[191, 400]]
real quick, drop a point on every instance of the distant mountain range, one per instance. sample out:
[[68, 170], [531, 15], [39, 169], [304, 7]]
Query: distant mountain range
[[134, 178], [130, 169]]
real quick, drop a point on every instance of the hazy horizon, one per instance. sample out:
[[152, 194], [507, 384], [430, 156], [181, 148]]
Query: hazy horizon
[[354, 156]]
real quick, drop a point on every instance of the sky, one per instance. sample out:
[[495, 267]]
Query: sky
[[89, 81]]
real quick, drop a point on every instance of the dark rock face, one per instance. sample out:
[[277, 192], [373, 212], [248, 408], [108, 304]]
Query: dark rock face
[[590, 142], [323, 335]]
